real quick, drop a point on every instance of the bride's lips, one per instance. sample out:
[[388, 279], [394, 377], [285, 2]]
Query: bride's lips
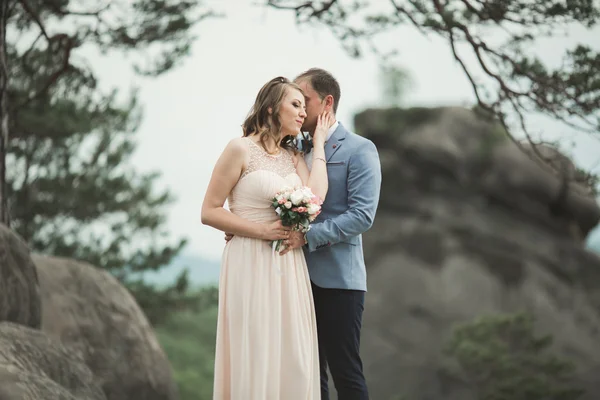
[[300, 122]]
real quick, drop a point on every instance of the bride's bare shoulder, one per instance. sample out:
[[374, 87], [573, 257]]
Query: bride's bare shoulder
[[237, 146]]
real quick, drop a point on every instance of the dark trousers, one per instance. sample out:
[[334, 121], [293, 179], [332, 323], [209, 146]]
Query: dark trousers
[[339, 320]]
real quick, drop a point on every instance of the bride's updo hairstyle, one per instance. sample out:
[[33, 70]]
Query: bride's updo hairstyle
[[264, 123]]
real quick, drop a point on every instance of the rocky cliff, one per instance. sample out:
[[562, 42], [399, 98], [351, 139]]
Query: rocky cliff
[[468, 224], [70, 331]]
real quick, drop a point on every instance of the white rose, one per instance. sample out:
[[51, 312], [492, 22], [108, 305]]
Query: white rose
[[288, 204], [296, 197], [307, 195], [313, 208]]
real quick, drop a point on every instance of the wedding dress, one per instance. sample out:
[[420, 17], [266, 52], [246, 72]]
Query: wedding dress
[[266, 332]]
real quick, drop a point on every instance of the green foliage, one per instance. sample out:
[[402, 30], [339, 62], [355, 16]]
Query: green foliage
[[73, 193], [503, 359], [160, 27], [72, 189], [189, 341]]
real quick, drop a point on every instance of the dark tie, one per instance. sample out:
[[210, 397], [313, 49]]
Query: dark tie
[[307, 144]]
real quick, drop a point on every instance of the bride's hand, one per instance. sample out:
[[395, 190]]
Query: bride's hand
[[275, 231], [324, 122]]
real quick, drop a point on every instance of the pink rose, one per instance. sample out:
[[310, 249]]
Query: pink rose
[[301, 209]]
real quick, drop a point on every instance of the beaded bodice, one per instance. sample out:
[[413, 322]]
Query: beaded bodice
[[282, 163], [264, 176]]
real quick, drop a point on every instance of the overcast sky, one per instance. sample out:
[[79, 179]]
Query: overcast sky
[[191, 113]]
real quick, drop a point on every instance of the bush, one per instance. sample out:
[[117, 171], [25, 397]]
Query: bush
[[503, 359], [188, 338]]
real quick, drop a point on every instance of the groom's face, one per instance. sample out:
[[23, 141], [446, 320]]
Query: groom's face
[[314, 106]]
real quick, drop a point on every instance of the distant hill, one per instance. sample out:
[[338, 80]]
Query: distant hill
[[202, 271]]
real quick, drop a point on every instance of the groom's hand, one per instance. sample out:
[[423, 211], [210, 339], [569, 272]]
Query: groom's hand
[[294, 241]]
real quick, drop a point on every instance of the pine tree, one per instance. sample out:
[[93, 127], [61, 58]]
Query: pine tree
[[503, 358], [71, 187]]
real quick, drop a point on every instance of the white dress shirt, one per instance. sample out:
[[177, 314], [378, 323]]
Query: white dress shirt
[[308, 157]]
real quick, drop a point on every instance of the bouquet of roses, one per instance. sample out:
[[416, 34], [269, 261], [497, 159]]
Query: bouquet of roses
[[297, 207]]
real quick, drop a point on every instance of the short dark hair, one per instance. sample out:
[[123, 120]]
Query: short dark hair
[[324, 84]]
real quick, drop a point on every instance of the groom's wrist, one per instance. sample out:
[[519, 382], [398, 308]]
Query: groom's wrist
[[312, 237]]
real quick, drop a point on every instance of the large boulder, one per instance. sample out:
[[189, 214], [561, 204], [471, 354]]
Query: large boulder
[[34, 367], [19, 289], [90, 312], [470, 224]]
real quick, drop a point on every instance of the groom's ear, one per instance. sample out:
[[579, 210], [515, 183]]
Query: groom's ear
[[329, 102]]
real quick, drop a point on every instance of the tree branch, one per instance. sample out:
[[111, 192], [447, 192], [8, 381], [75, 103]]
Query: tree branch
[[68, 44], [569, 97], [479, 46], [411, 18], [315, 13], [35, 17], [81, 13], [511, 95]]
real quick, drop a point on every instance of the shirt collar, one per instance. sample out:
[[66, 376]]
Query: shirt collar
[[332, 129]]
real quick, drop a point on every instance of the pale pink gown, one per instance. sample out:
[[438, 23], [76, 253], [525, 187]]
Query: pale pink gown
[[266, 331]]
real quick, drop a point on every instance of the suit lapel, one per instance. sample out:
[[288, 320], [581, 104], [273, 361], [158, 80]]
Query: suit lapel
[[335, 142]]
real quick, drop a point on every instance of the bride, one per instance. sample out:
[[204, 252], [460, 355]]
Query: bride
[[266, 331]]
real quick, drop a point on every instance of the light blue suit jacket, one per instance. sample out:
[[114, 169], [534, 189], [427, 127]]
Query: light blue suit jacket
[[334, 253]]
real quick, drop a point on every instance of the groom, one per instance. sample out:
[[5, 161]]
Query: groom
[[333, 245]]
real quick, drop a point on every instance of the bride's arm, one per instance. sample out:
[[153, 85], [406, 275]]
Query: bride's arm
[[226, 173], [316, 179]]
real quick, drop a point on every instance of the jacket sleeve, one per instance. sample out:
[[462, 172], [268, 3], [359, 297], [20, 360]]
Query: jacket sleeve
[[364, 185]]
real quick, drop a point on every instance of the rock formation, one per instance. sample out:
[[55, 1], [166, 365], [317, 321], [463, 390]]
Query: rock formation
[[19, 289], [32, 365], [90, 312], [71, 331], [468, 224]]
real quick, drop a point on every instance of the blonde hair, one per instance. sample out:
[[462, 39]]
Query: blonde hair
[[263, 118]]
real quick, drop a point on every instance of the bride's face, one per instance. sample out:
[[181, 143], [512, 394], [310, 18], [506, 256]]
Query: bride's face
[[292, 112]]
